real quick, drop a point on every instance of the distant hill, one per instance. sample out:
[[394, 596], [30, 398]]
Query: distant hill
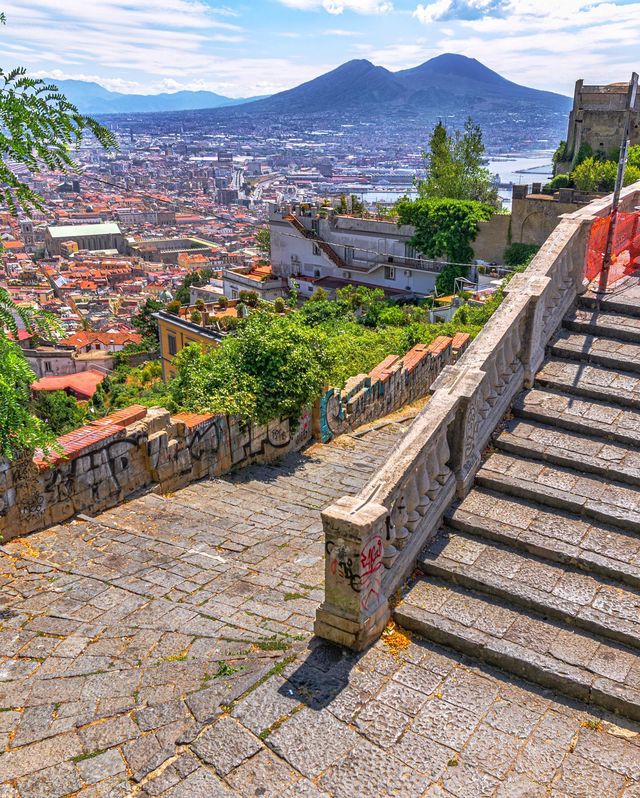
[[91, 98], [446, 83]]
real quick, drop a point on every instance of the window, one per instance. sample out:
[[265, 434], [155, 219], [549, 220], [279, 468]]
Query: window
[[47, 367], [316, 249], [389, 273], [234, 293], [316, 272], [348, 254], [347, 275], [173, 344]]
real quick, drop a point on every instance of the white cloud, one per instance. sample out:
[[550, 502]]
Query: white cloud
[[397, 56], [460, 9], [340, 6], [340, 32]]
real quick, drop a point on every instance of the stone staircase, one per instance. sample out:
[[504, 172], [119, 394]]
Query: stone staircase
[[537, 570]]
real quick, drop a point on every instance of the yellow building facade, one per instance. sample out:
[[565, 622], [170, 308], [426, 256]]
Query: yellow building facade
[[176, 333]]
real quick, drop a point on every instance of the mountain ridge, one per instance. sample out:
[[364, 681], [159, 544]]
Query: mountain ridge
[[446, 82], [93, 98]]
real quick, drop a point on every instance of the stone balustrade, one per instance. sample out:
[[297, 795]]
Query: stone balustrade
[[372, 540]]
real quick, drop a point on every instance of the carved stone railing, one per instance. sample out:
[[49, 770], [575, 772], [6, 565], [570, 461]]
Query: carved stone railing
[[372, 540]]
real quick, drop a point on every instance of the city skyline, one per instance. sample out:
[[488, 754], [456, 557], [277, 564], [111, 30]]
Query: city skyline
[[240, 49]]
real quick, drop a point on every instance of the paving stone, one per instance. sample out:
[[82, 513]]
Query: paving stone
[[225, 745], [108, 733], [200, 784], [263, 775], [466, 781], [367, 770], [424, 755], [46, 753], [101, 766], [382, 724], [52, 782], [311, 741], [445, 723], [266, 704], [582, 776]]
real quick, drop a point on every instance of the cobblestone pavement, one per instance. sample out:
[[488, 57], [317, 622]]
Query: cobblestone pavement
[[164, 649]]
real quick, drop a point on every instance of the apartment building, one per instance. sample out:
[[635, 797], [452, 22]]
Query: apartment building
[[327, 249]]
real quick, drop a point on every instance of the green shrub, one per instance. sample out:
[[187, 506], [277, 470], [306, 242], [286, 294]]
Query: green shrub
[[249, 298], [519, 254], [559, 181]]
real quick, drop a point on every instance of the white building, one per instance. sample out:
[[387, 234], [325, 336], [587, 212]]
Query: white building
[[326, 249]]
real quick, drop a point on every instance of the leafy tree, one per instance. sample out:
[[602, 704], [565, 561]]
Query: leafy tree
[[61, 412], [446, 280], [455, 167], [196, 278], [263, 241], [196, 317], [128, 385], [559, 181], [560, 153], [584, 151], [357, 206], [633, 156], [144, 322], [38, 129], [20, 430], [596, 175], [272, 367], [249, 298], [223, 302], [173, 307], [319, 295], [444, 227]]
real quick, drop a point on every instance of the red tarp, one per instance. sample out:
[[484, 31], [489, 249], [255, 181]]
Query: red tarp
[[625, 252]]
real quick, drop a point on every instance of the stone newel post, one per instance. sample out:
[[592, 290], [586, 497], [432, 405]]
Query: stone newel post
[[355, 609]]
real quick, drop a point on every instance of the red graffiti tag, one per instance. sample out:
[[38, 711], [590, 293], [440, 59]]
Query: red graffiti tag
[[371, 573]]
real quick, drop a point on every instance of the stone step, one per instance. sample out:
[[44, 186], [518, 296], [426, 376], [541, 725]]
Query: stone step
[[553, 590], [590, 381], [607, 352], [603, 323], [591, 455], [563, 488], [616, 303], [551, 534], [583, 415], [570, 661]]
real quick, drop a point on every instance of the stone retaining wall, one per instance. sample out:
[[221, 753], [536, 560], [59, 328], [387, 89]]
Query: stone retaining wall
[[393, 383], [108, 460], [104, 462]]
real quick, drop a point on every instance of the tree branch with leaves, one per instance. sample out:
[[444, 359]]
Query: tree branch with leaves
[[39, 129]]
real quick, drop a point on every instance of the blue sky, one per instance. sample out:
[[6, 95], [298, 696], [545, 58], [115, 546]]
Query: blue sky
[[248, 47]]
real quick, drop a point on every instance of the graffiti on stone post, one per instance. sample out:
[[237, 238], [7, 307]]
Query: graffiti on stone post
[[341, 563], [371, 573]]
